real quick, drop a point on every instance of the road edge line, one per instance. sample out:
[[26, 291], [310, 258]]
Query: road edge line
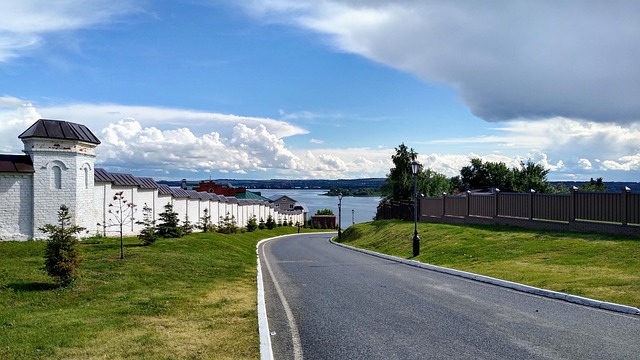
[[504, 283], [266, 351]]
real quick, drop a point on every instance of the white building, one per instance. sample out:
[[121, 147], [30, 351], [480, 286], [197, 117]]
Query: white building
[[58, 168]]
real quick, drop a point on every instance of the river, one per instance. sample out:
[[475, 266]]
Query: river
[[355, 209]]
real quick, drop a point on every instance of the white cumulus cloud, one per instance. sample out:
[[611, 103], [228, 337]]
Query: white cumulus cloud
[[127, 144]]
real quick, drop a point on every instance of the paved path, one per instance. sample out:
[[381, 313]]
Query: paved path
[[327, 302]]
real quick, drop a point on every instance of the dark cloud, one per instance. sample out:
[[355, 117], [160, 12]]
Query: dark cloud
[[508, 59]]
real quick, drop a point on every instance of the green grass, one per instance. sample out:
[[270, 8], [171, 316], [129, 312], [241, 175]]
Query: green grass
[[195, 297], [188, 298], [603, 267]]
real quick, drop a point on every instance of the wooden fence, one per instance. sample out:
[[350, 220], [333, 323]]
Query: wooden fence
[[616, 213], [402, 210]]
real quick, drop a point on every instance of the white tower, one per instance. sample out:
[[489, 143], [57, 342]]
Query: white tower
[[63, 161]]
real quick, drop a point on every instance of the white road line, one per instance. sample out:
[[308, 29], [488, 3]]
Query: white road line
[[293, 328], [266, 352]]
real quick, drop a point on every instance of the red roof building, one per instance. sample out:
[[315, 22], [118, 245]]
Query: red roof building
[[226, 190]]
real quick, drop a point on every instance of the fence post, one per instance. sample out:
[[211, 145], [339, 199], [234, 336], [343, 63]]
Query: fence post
[[572, 205], [531, 192], [468, 202], [623, 204], [444, 201], [497, 192]]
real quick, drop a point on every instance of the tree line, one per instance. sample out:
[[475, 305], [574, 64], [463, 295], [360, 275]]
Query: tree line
[[479, 175]]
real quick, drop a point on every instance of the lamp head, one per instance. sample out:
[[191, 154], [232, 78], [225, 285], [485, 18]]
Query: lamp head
[[415, 167]]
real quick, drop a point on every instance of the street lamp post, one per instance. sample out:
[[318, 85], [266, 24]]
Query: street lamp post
[[339, 216], [415, 168]]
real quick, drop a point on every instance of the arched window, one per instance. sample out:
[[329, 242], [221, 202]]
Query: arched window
[[86, 177], [56, 174]]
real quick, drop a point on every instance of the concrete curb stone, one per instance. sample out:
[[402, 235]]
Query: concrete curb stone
[[507, 284]]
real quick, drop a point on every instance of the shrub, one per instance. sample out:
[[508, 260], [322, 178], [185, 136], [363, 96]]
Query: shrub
[[228, 225], [187, 227], [261, 224], [324, 212], [168, 227], [62, 258], [270, 224], [205, 224], [149, 234], [252, 224]]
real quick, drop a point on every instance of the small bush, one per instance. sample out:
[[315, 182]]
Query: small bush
[[252, 224], [270, 224], [168, 227], [62, 258], [205, 224], [187, 226], [149, 234], [324, 212], [228, 225]]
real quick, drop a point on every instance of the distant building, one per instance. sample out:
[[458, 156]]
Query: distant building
[[325, 221], [284, 204], [218, 189]]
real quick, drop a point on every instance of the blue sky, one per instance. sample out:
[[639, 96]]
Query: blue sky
[[327, 89]]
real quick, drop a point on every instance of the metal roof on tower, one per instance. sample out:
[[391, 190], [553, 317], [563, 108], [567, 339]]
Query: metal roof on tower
[[59, 129]]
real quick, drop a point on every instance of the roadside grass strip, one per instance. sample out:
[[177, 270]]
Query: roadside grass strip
[[594, 268]]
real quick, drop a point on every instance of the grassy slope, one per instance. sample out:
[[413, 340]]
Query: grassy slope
[[602, 267], [193, 297]]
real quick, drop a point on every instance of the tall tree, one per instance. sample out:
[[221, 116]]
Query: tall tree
[[431, 183], [399, 184], [594, 185], [531, 176], [480, 175]]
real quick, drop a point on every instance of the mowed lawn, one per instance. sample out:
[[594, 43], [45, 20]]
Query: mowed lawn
[[602, 267], [195, 297], [187, 298]]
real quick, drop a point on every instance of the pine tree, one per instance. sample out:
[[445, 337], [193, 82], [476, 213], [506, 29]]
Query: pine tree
[[148, 234], [270, 224], [205, 222], [168, 227], [62, 258], [252, 224]]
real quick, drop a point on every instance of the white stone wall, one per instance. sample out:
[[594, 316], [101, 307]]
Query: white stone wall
[[16, 209], [193, 211], [23, 210], [161, 201], [101, 195]]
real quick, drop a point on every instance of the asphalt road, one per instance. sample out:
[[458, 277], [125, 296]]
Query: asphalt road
[[327, 302]]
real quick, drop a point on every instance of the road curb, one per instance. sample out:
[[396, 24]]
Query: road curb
[[507, 284]]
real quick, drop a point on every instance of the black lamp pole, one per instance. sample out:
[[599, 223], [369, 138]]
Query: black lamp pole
[[340, 216], [415, 168]]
